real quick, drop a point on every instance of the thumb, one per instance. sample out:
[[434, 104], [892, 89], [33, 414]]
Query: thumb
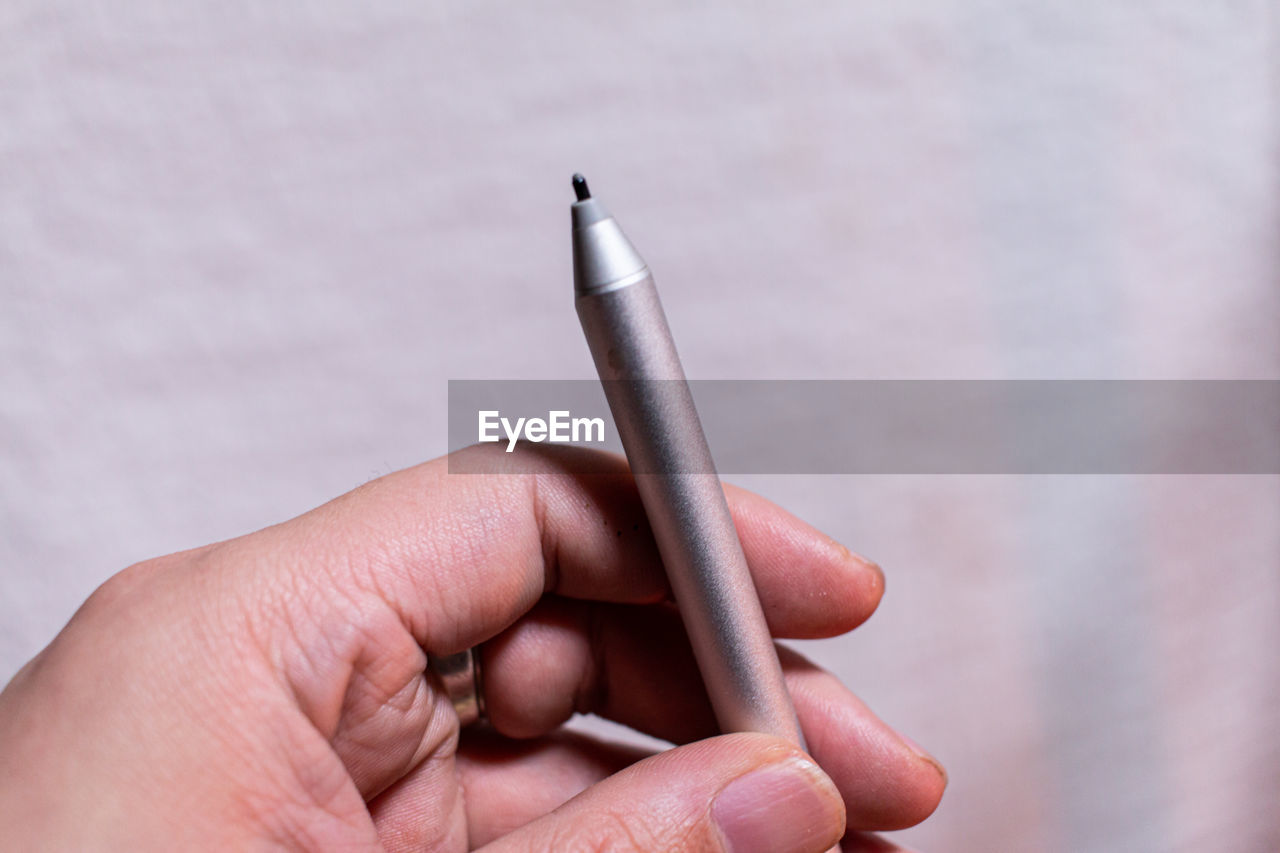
[[739, 793]]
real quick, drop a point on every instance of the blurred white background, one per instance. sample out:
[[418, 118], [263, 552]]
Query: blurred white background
[[244, 245]]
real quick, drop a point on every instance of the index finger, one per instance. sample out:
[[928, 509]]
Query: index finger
[[460, 557]]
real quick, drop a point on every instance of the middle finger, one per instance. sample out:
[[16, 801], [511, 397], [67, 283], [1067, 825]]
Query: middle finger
[[632, 664]]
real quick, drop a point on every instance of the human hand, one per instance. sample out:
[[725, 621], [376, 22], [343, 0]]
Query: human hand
[[269, 691]]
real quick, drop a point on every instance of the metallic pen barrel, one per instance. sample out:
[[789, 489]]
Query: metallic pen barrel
[[682, 496]]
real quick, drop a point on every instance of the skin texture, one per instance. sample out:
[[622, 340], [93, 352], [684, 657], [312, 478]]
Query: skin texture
[[269, 691]]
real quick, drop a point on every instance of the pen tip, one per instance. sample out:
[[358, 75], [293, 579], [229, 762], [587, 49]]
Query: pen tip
[[580, 187]]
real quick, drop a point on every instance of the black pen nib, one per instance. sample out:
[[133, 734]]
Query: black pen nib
[[580, 187]]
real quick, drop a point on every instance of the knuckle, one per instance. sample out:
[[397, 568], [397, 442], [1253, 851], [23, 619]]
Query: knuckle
[[125, 585]]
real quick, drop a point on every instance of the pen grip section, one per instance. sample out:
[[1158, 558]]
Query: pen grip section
[[684, 501]]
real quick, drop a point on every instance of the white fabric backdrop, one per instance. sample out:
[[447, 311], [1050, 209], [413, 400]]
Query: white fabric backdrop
[[243, 246]]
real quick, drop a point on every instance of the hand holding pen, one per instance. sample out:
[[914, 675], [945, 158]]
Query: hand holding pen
[[392, 670], [272, 690]]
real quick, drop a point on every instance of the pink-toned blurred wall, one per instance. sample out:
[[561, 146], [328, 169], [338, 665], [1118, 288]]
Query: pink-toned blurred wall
[[243, 246]]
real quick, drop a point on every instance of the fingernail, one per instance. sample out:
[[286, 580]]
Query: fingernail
[[789, 807], [879, 572], [863, 562], [921, 752]]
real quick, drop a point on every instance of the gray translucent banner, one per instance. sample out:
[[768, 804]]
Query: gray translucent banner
[[893, 427]]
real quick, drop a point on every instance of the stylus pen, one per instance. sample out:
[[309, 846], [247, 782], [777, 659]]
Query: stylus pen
[[655, 416]]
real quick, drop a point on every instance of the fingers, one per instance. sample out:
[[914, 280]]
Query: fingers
[[507, 784], [459, 557], [423, 558], [342, 602], [887, 781], [743, 792], [510, 783], [424, 810], [810, 586], [634, 666]]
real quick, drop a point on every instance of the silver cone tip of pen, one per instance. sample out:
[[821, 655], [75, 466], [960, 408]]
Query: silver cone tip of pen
[[586, 210], [602, 254]]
